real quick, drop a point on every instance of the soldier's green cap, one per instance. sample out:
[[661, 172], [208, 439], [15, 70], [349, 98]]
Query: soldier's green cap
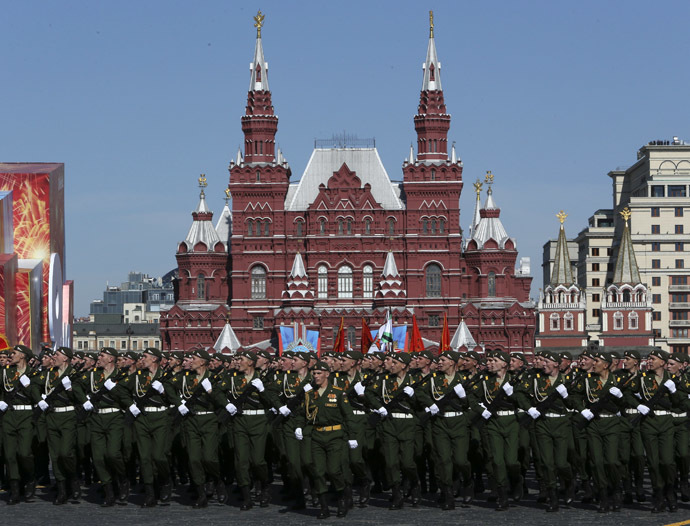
[[329, 354], [659, 353], [66, 351], [519, 356], [79, 354], [635, 355], [453, 356], [551, 355], [677, 356], [179, 355], [247, 354], [321, 366], [567, 355], [131, 355], [589, 353], [304, 356], [501, 355], [26, 351], [153, 352], [472, 355], [109, 350], [92, 355], [352, 355], [604, 356], [288, 354], [402, 357], [313, 355], [264, 354], [426, 354], [201, 353], [615, 355], [377, 355]]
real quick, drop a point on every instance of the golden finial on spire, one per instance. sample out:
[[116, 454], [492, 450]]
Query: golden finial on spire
[[561, 216], [626, 214], [478, 187], [227, 195], [259, 22], [489, 178], [431, 24], [202, 181]]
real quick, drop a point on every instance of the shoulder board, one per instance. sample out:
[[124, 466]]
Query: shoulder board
[[644, 374], [538, 375], [434, 375], [589, 375], [139, 371], [337, 388], [95, 369]]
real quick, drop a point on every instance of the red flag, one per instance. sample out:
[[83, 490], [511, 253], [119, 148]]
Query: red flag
[[445, 335], [367, 340], [339, 345], [416, 344]]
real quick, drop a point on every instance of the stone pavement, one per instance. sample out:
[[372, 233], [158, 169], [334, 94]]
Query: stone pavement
[[88, 512]]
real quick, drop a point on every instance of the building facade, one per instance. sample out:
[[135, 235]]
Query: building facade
[[344, 242]]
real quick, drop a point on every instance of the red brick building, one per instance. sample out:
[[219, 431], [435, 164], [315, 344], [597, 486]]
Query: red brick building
[[344, 241]]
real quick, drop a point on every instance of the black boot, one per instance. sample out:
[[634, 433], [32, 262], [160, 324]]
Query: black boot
[[617, 502], [201, 499], [323, 504], [364, 494], [397, 502], [448, 498], [603, 501], [150, 496], [122, 490], [221, 492], [30, 490], [517, 492], [61, 497], [342, 505], [300, 503], [685, 491], [15, 497], [75, 489], [501, 499], [109, 500], [247, 503], [658, 502], [587, 493], [553, 500], [165, 494], [671, 498], [415, 495], [265, 495], [347, 494], [543, 493]]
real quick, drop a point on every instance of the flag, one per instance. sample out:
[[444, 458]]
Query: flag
[[416, 343], [387, 333], [367, 340], [339, 345], [445, 335]]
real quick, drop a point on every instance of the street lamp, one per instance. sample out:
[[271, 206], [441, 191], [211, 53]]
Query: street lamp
[[129, 332]]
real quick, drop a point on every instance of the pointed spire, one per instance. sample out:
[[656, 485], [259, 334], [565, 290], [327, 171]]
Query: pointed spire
[[453, 155], [298, 270], [202, 207], [476, 218], [562, 271], [390, 269], [432, 67], [411, 159], [259, 67], [238, 160], [490, 225], [202, 230], [463, 338], [627, 270], [227, 340]]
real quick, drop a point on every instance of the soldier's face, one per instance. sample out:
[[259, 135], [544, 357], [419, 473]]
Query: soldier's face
[[104, 360], [673, 366], [320, 377], [446, 365], [654, 363], [600, 365], [550, 367], [515, 364], [629, 362]]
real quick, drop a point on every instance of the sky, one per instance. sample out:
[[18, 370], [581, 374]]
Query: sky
[[139, 98]]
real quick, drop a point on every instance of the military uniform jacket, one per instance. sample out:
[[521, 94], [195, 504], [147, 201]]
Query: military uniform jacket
[[644, 386], [536, 387], [13, 392], [141, 392], [187, 388], [93, 382], [235, 384], [330, 408], [590, 388], [50, 384], [487, 389], [440, 387], [386, 387], [287, 385]]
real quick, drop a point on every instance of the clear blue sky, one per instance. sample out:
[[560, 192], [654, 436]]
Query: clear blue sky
[[139, 98]]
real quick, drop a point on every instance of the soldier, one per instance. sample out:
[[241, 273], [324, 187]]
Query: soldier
[[327, 411], [631, 448], [675, 366], [16, 398]]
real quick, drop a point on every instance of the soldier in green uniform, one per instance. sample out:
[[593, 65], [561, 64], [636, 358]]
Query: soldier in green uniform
[[40, 445], [327, 412], [58, 399], [16, 399], [631, 448], [106, 400], [675, 366]]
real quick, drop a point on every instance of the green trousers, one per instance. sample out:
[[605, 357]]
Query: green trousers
[[657, 437], [201, 437], [602, 443], [107, 431], [17, 438], [451, 438], [62, 443], [249, 437], [551, 433], [151, 431], [327, 448], [397, 444], [502, 436]]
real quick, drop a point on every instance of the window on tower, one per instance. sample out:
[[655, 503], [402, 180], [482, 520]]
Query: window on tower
[[340, 227], [322, 226], [322, 281], [349, 227], [391, 226], [258, 72], [433, 281], [442, 226], [368, 281], [201, 287], [367, 226], [618, 321], [432, 72], [491, 284], [345, 282], [633, 320], [433, 226], [555, 322], [258, 274], [568, 321], [250, 228]]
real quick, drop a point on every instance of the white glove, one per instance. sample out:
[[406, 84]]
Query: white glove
[[432, 409], [206, 384], [109, 384], [508, 388], [284, 410], [43, 405], [88, 406], [3, 406], [486, 414], [183, 409], [587, 414], [132, 409], [24, 380], [408, 391], [460, 391], [353, 444], [256, 382], [533, 412], [307, 388], [231, 408], [616, 392], [273, 410], [298, 433], [562, 390], [383, 411], [67, 383], [157, 386], [670, 385], [643, 409], [359, 389]]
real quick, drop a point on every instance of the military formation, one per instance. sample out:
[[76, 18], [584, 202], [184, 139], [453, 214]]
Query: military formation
[[456, 425]]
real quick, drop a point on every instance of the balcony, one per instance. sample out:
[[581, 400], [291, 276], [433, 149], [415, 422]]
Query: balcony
[[624, 305], [679, 323], [679, 288], [679, 305]]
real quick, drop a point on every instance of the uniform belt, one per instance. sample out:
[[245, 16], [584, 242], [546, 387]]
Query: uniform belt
[[337, 427], [153, 409], [631, 411], [357, 412], [505, 413], [661, 412], [107, 410], [553, 415], [401, 415], [679, 415], [64, 409], [203, 413], [608, 415], [253, 412], [22, 407], [450, 414]]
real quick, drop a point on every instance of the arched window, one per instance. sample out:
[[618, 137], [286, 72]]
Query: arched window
[[250, 228], [492, 284], [391, 226], [633, 321], [568, 321], [555, 322], [201, 287], [367, 226], [618, 321], [351, 336], [442, 226], [368, 281], [323, 281], [267, 228], [344, 282], [433, 281], [433, 226], [340, 227], [258, 282], [349, 227], [300, 226], [433, 174], [626, 296], [322, 226], [425, 226]]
